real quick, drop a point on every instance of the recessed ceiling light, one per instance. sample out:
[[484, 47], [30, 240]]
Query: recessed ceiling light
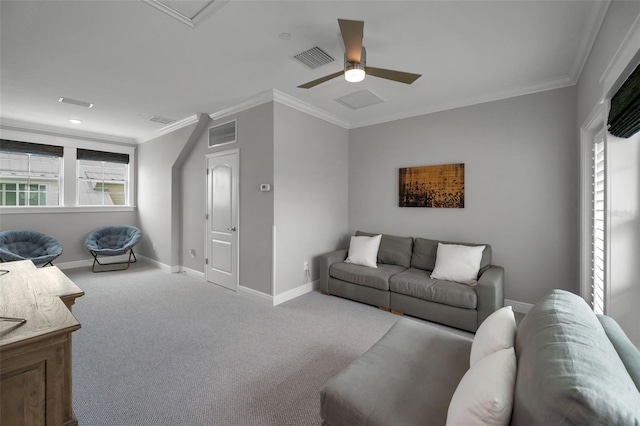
[[75, 121], [285, 36]]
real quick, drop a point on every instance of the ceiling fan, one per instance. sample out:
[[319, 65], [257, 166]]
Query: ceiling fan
[[355, 59]]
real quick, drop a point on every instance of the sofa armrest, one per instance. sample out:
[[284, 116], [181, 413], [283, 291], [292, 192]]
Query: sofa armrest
[[325, 262], [490, 291]]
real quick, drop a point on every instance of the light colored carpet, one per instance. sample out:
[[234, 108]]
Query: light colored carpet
[[169, 349]]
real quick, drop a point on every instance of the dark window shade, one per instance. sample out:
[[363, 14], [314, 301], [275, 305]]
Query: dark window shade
[[624, 116], [112, 157], [30, 148]]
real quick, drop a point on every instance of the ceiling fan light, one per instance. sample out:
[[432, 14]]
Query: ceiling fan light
[[354, 75]]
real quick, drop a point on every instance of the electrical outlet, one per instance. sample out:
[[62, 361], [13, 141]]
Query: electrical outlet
[[306, 266]]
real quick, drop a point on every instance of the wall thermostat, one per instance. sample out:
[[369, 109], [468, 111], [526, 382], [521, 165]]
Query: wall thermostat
[[265, 187]]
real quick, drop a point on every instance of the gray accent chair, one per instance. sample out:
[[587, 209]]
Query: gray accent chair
[[113, 241], [573, 368], [401, 282], [40, 248]]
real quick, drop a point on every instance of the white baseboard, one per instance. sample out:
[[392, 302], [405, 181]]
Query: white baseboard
[[192, 272], [521, 307], [295, 292], [255, 294]]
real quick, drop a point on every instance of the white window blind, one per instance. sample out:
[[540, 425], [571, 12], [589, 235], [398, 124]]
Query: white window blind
[[598, 227]]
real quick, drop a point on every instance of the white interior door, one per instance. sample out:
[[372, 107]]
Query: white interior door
[[222, 219]]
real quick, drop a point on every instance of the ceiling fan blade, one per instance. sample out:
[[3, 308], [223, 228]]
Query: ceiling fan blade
[[320, 80], [352, 33], [399, 76]]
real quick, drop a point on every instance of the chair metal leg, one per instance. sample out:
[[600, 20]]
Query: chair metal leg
[[128, 262]]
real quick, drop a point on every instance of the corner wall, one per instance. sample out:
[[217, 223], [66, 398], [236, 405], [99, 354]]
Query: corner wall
[[310, 193], [521, 178]]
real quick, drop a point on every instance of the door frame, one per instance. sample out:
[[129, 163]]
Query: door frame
[[235, 151]]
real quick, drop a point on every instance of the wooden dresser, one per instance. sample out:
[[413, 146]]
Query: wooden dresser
[[35, 356]]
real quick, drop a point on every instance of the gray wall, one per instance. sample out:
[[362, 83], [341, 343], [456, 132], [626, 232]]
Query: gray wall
[[521, 178], [310, 193], [156, 159], [71, 229], [255, 141]]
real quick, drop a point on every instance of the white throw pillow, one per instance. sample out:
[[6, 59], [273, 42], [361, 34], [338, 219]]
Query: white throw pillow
[[484, 396], [496, 332], [457, 263], [364, 250]]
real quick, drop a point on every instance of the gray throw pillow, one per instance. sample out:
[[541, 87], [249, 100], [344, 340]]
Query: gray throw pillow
[[393, 250]]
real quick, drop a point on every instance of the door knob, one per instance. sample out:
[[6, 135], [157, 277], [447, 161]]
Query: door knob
[[232, 229]]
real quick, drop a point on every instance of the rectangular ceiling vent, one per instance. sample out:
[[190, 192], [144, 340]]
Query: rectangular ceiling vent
[[360, 99], [223, 134], [75, 102], [314, 57], [161, 120]]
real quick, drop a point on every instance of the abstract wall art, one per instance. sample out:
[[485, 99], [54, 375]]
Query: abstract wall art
[[440, 186]]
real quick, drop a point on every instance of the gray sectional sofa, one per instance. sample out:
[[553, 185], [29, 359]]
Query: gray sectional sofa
[[572, 367], [401, 282]]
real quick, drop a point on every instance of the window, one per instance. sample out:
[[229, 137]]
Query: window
[[29, 174], [103, 178], [598, 231]]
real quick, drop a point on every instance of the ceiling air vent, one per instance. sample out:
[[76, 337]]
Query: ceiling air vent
[[360, 99], [161, 120], [223, 134], [75, 102], [314, 57]]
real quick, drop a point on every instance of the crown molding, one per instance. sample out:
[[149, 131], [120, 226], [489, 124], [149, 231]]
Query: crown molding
[[527, 90], [622, 61], [274, 95], [170, 128], [204, 13], [60, 132], [299, 105], [588, 40]]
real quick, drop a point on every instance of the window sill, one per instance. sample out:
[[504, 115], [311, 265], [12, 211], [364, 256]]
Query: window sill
[[74, 209]]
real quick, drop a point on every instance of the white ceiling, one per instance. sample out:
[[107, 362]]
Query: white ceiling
[[133, 61]]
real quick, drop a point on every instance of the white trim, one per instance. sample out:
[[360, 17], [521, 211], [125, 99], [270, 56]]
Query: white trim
[[255, 294], [235, 151], [191, 272], [520, 307], [259, 99], [273, 259], [157, 264], [208, 10], [170, 128], [586, 42], [295, 292], [622, 58], [64, 209], [274, 95], [299, 105], [49, 132]]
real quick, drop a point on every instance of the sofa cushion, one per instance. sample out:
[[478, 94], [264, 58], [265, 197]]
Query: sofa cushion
[[393, 250], [363, 275], [418, 283], [364, 250], [406, 378], [485, 393], [425, 252], [568, 370], [629, 354]]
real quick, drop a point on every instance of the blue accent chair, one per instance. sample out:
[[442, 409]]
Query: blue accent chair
[[40, 248], [113, 241]]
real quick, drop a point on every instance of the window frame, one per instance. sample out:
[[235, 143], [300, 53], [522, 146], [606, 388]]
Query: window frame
[[68, 177]]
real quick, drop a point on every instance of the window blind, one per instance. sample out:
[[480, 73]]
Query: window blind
[[30, 148], [112, 157], [624, 115], [598, 227]]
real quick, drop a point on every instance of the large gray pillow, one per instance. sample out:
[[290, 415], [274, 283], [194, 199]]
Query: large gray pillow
[[425, 250], [568, 370], [393, 250]]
